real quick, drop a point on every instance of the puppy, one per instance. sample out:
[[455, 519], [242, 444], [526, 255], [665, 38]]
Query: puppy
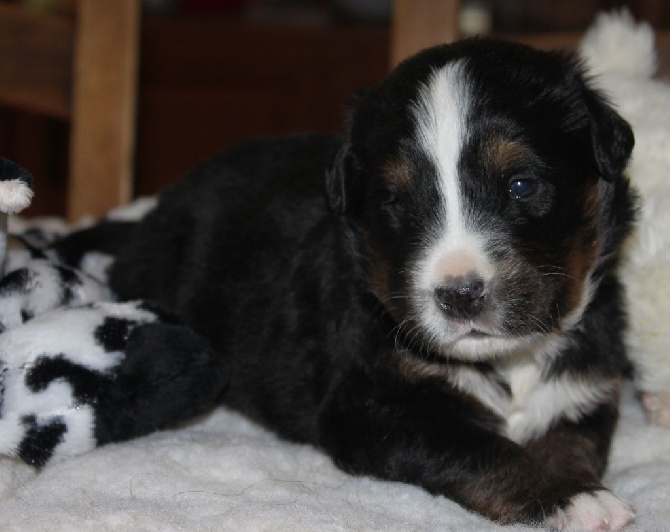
[[430, 299]]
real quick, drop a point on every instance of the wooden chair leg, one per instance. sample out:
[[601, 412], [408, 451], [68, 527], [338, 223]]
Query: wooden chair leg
[[104, 101]]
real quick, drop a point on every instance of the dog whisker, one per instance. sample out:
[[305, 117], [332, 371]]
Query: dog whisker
[[547, 274]]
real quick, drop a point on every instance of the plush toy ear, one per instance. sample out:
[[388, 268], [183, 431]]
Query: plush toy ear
[[611, 137], [15, 187], [15, 194]]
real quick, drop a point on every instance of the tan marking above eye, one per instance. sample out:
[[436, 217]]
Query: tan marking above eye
[[397, 171], [504, 153]]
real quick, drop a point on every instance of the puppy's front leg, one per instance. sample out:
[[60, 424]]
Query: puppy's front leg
[[578, 450], [431, 436]]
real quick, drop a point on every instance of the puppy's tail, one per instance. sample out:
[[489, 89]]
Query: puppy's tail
[[617, 44]]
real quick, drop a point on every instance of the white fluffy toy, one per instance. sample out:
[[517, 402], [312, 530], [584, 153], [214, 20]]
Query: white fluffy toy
[[622, 56], [16, 192]]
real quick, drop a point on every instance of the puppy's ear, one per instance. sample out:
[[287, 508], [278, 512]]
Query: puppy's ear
[[339, 179], [343, 178], [611, 137]]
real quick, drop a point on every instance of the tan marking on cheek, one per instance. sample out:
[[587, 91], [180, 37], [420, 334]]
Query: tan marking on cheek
[[585, 249], [380, 280], [592, 203], [415, 370], [580, 265], [380, 271]]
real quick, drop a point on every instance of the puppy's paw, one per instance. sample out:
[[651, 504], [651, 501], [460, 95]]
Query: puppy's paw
[[600, 510], [657, 405]]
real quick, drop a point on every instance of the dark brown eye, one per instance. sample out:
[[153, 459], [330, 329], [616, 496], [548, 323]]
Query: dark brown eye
[[522, 188], [394, 205]]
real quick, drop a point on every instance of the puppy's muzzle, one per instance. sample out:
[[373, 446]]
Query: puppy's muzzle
[[462, 297]]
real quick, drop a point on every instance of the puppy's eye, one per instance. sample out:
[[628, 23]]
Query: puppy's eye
[[394, 204], [522, 188]]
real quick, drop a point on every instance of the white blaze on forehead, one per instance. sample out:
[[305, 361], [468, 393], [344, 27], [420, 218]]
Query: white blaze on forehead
[[440, 118], [441, 114]]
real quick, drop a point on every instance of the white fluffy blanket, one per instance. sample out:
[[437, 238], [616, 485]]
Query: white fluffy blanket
[[224, 473]]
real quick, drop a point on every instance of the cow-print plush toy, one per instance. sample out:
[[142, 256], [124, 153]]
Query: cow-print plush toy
[[77, 369]]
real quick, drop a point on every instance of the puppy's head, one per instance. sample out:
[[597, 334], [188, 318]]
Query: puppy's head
[[486, 181]]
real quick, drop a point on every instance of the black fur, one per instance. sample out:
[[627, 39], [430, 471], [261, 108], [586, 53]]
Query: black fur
[[106, 237]]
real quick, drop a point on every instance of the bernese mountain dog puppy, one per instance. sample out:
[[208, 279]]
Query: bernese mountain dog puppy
[[430, 298]]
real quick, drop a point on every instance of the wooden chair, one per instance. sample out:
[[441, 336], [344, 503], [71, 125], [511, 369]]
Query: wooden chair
[[82, 68], [417, 24]]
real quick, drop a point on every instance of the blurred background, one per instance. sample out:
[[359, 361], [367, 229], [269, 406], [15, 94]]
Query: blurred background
[[213, 72]]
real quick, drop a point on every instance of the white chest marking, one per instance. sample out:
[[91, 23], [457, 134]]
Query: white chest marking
[[534, 404]]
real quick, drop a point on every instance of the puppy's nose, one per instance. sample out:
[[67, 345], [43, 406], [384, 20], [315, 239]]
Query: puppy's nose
[[462, 297]]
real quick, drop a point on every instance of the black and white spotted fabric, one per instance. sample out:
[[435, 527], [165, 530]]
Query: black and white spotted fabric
[[78, 369], [40, 286]]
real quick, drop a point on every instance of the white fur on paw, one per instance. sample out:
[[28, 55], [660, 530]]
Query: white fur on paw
[[657, 405], [601, 510]]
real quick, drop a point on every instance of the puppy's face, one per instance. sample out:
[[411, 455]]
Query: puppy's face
[[485, 179]]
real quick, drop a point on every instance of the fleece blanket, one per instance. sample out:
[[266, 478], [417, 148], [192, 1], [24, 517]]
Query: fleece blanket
[[225, 473], [222, 472]]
